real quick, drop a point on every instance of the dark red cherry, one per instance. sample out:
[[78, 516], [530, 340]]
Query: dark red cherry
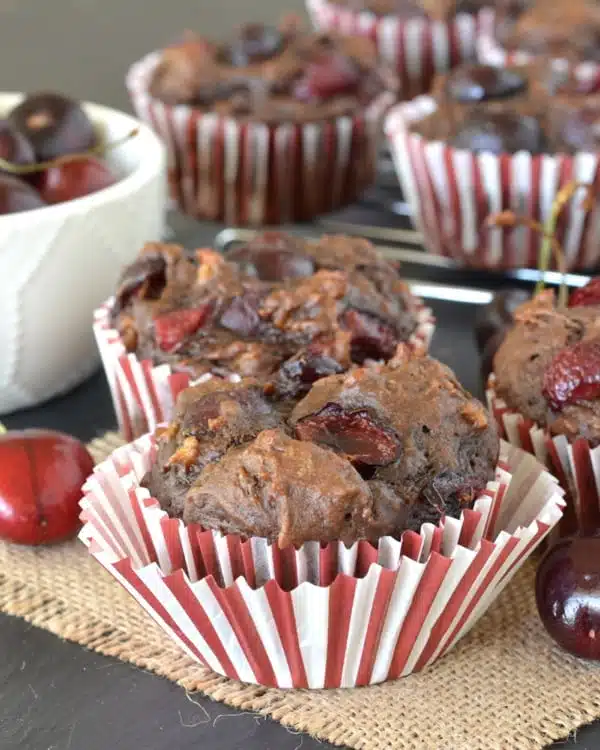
[[330, 75], [14, 146], [16, 195], [371, 337], [74, 179], [500, 132], [498, 314], [354, 433], [41, 474], [55, 125], [273, 256], [477, 83], [567, 591], [255, 42], [297, 374]]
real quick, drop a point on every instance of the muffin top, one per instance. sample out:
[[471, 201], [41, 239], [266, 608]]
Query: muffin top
[[365, 454], [434, 9], [567, 29], [271, 74], [548, 366], [505, 110], [282, 309]]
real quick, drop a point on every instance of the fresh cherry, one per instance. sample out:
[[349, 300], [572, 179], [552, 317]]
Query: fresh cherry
[[40, 485], [353, 433], [329, 75], [567, 591], [477, 83], [573, 375], [14, 146], [55, 125], [255, 42], [272, 256], [74, 179], [500, 132], [16, 195], [371, 337], [586, 295], [498, 314]]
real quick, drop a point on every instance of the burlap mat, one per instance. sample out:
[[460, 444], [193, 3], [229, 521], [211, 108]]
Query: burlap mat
[[504, 687]]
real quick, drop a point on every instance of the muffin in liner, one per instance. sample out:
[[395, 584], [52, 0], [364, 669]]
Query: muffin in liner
[[576, 463], [490, 52], [255, 173], [451, 191], [417, 49], [144, 394], [320, 615]]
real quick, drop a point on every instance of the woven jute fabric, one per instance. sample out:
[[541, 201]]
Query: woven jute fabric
[[504, 687]]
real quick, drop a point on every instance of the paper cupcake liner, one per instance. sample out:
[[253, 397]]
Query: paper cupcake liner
[[491, 53], [144, 394], [417, 49], [244, 172], [322, 615], [451, 192], [575, 464]]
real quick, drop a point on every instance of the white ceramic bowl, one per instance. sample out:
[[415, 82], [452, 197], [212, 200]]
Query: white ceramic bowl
[[58, 263]]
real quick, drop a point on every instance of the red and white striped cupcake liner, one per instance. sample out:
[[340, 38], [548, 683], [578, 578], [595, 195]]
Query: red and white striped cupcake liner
[[417, 49], [144, 394], [451, 192], [245, 172], [576, 464], [491, 53], [321, 616]]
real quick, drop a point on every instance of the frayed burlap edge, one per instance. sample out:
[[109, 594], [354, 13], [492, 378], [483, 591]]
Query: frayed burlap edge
[[504, 686]]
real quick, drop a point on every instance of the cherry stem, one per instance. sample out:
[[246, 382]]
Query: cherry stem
[[100, 148], [563, 197], [509, 219]]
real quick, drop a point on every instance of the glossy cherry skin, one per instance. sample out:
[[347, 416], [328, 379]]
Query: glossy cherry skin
[[14, 146], [55, 125], [567, 591], [16, 195], [41, 475], [74, 179]]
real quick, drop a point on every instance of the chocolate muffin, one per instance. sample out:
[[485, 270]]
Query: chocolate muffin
[[567, 29], [365, 454], [547, 368], [483, 108], [272, 75], [281, 309]]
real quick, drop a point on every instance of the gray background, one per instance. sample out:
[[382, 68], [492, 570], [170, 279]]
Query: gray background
[[84, 47]]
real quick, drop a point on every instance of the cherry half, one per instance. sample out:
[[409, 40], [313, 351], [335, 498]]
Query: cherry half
[[41, 475], [74, 178], [567, 591]]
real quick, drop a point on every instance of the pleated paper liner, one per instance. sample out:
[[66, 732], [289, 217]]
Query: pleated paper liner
[[492, 53], [321, 616], [245, 172], [576, 464], [451, 192], [416, 48], [144, 395]]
